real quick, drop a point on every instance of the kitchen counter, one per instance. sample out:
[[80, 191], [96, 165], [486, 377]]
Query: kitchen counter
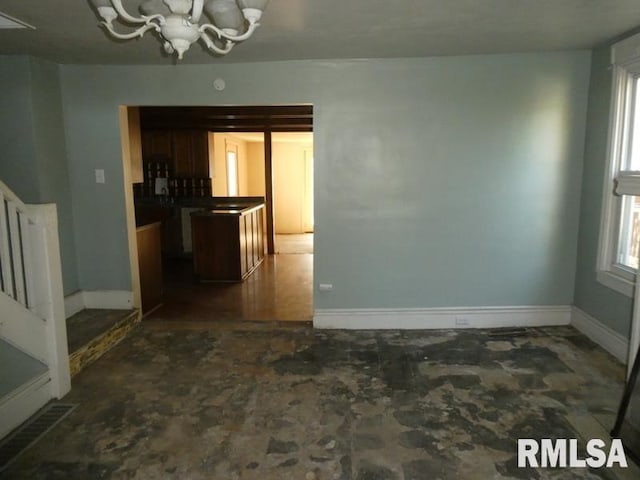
[[228, 210], [228, 243], [200, 202], [175, 215]]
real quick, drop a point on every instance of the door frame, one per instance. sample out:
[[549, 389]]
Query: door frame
[[265, 119], [124, 113]]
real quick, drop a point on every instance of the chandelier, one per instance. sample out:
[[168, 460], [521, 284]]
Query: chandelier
[[179, 22]]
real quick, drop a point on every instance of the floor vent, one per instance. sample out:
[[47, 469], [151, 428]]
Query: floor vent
[[31, 431]]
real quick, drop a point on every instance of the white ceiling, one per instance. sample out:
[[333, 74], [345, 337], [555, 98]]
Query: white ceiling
[[67, 32]]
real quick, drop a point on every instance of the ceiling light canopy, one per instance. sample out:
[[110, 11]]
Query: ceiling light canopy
[[179, 23]]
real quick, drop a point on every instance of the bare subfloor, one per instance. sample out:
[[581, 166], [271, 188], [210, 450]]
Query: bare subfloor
[[259, 402]]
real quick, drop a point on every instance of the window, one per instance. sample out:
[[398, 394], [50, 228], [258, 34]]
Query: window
[[232, 172], [618, 254], [628, 235]]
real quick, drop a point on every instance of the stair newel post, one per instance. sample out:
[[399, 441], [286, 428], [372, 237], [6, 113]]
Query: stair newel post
[[48, 291]]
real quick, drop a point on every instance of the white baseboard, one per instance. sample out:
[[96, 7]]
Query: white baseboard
[[441, 318], [73, 303], [107, 299], [610, 340]]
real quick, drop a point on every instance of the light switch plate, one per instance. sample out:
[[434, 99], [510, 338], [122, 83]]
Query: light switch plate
[[100, 176]]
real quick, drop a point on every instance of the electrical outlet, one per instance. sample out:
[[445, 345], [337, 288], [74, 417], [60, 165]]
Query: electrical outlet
[[325, 287], [100, 176], [461, 321]]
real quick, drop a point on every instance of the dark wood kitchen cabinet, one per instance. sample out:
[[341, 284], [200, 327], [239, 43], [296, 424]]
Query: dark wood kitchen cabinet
[[150, 266], [186, 151], [190, 153], [228, 244], [156, 145], [170, 229]]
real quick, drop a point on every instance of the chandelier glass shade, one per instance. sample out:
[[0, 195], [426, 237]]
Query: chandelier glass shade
[[180, 23]]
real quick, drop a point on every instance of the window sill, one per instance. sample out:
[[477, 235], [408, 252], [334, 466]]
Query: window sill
[[614, 282]]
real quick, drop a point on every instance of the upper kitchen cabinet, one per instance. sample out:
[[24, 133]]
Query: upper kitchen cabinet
[[156, 145], [190, 153], [186, 151]]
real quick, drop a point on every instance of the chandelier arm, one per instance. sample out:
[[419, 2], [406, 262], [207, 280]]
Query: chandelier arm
[[196, 11], [127, 36], [225, 36], [212, 46], [117, 4]]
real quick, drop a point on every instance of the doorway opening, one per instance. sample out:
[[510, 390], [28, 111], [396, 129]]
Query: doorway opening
[[198, 161], [293, 192], [292, 179]]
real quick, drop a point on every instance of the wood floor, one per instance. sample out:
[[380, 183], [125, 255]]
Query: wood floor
[[281, 289], [294, 243]]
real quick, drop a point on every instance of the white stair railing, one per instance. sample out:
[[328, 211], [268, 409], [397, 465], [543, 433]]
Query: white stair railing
[[14, 232], [32, 297]]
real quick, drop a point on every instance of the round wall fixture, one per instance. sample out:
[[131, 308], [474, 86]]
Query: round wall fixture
[[219, 84]]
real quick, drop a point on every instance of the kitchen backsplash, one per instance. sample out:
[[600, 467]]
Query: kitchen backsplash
[[171, 187]]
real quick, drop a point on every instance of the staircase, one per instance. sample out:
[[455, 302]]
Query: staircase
[[34, 360]]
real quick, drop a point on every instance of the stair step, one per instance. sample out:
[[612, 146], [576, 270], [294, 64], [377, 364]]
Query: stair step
[[92, 332], [18, 368]]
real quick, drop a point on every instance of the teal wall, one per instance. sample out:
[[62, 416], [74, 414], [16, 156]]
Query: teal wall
[[608, 306], [52, 160], [438, 182], [33, 161], [18, 164]]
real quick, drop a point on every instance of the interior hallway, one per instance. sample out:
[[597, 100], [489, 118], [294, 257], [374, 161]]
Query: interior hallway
[[255, 401]]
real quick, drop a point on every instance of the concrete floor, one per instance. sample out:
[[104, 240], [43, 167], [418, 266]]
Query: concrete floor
[[255, 401]]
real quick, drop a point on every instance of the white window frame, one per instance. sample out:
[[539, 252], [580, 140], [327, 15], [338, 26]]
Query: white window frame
[[625, 59]]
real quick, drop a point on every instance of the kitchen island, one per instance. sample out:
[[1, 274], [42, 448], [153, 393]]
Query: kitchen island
[[175, 215], [227, 241]]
